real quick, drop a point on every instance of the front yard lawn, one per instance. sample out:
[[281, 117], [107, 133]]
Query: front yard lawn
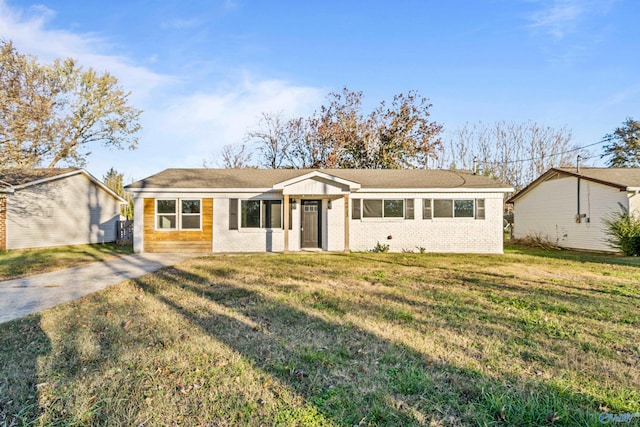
[[20, 263], [522, 339]]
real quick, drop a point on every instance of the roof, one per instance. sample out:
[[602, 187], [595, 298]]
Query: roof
[[17, 179], [268, 178], [624, 179]]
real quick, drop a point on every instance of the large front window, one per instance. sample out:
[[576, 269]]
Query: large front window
[[453, 208], [377, 208], [168, 216], [260, 214]]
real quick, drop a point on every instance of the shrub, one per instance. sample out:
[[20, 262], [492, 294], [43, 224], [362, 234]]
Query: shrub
[[624, 232], [381, 248]]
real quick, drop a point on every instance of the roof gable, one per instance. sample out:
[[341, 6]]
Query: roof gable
[[623, 179], [17, 179]]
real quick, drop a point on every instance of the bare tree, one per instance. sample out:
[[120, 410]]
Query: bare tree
[[270, 137], [236, 156], [515, 153]]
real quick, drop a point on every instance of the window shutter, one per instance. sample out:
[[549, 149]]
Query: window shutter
[[355, 209], [480, 209], [426, 209], [233, 214], [408, 210], [264, 209]]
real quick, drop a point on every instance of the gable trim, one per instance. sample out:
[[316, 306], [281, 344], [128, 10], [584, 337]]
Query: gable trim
[[353, 186]]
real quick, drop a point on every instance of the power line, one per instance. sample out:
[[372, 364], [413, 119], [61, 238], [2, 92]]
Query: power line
[[554, 154]]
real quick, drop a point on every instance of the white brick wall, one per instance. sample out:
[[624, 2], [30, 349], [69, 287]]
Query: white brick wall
[[465, 235], [435, 235]]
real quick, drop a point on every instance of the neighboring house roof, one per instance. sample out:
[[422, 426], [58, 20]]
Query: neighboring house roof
[[624, 179], [16, 179], [271, 178]]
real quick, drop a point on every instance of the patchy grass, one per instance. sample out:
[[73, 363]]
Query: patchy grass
[[336, 340], [20, 263]]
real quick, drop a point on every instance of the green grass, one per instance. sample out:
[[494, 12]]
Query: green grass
[[20, 263], [526, 339]]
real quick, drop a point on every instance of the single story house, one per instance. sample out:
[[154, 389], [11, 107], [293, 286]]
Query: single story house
[[567, 206], [55, 207], [282, 210]]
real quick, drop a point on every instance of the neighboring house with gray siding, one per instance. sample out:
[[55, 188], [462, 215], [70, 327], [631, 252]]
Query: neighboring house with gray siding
[[568, 207], [285, 210], [55, 207]]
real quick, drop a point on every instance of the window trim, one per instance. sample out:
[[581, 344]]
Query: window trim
[[263, 214], [382, 205], [198, 214], [430, 202], [178, 214], [157, 215]]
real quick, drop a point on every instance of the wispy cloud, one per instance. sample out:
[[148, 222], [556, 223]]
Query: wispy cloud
[[559, 17], [28, 30]]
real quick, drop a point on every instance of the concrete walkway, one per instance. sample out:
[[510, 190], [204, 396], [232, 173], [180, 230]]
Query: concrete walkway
[[20, 297]]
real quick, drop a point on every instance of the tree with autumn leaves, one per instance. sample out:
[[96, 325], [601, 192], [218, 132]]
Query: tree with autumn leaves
[[53, 113], [341, 135]]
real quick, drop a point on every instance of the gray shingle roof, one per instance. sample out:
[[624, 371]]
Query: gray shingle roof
[[620, 177], [267, 178], [17, 177]]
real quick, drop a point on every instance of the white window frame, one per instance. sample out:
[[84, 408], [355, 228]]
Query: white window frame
[[263, 205], [178, 214], [383, 217], [158, 214], [453, 210], [184, 214]]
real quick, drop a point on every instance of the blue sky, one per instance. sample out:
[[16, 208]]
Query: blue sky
[[203, 71]]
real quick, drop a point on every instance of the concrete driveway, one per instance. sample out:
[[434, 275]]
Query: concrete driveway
[[20, 297]]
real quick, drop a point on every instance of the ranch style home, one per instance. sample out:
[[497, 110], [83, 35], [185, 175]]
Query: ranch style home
[[283, 210]]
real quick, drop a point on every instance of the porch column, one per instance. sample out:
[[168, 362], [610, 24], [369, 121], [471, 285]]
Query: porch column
[[346, 222], [286, 222]]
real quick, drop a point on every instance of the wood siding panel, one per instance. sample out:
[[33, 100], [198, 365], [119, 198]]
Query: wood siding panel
[[178, 240]]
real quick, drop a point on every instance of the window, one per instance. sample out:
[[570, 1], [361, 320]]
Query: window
[[442, 208], [272, 214], [448, 208], [167, 217], [166, 214], [190, 214], [250, 213], [377, 208], [426, 209], [463, 208], [256, 214]]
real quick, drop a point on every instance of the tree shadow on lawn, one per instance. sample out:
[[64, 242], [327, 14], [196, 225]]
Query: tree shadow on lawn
[[22, 342], [352, 376]]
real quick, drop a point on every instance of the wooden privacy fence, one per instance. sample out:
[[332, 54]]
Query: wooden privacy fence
[[124, 233]]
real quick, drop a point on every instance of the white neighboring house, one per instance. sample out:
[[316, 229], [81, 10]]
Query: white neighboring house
[[568, 207], [55, 207], [283, 210]]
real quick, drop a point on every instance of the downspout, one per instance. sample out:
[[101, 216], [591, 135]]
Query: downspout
[[578, 216]]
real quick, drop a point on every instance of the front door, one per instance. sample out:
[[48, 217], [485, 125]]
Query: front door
[[310, 223]]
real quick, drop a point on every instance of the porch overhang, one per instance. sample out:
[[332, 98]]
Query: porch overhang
[[316, 183]]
